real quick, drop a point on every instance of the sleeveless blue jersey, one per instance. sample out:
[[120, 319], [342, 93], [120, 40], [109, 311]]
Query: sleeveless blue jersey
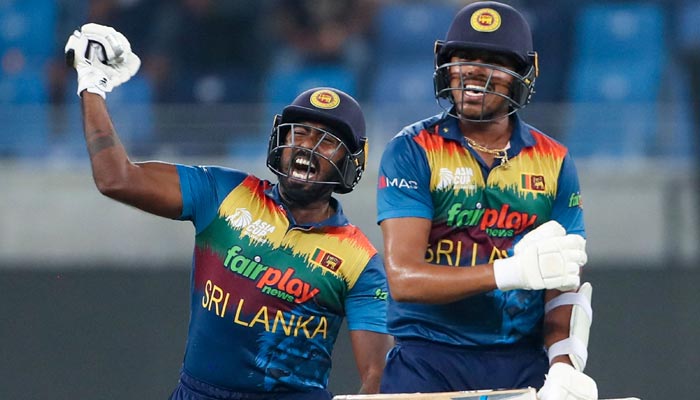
[[269, 296], [478, 213]]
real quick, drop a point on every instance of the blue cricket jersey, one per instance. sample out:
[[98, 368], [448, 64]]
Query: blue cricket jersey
[[268, 296], [478, 213]]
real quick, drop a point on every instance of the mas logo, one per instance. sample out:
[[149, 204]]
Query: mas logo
[[401, 183]]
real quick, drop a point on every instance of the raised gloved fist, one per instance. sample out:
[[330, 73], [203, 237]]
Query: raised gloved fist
[[102, 57], [564, 382], [546, 258]]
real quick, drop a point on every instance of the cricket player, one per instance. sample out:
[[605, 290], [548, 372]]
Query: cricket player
[[276, 266], [483, 228]]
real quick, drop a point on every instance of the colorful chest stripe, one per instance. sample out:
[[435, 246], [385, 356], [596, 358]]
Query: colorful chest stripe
[[268, 298], [477, 215]]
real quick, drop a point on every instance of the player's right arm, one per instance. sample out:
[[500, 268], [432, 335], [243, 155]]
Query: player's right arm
[[103, 60], [412, 279], [405, 208], [150, 186], [547, 258]]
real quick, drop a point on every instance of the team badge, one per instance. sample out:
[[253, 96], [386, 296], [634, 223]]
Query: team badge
[[532, 182], [325, 99], [486, 20], [326, 260]]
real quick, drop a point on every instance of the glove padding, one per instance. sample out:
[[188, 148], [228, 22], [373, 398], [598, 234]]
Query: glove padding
[[564, 382], [546, 258], [102, 57]]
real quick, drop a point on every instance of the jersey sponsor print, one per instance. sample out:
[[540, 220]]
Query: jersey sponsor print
[[478, 213], [269, 297]]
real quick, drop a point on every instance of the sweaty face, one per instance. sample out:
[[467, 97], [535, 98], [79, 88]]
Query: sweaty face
[[480, 84], [310, 160]]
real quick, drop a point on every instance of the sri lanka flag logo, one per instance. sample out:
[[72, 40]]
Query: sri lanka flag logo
[[326, 260], [532, 182]]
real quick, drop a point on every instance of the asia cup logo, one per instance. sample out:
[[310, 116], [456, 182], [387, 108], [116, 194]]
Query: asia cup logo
[[257, 230], [485, 20], [446, 177], [459, 178], [240, 218], [325, 99]]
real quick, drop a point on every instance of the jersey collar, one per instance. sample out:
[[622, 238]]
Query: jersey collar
[[337, 219], [521, 137]]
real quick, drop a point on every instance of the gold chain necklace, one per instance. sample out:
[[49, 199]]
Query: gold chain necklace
[[501, 154]]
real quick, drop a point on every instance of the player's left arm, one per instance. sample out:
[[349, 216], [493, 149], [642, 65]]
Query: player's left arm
[[365, 312], [568, 315], [370, 349], [556, 325], [566, 210]]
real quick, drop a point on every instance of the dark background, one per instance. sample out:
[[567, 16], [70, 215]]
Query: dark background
[[117, 333]]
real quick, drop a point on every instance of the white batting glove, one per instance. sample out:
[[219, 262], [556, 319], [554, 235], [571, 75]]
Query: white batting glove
[[102, 57], [564, 382], [546, 258]]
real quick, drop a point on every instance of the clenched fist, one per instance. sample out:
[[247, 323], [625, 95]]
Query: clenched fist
[[102, 57]]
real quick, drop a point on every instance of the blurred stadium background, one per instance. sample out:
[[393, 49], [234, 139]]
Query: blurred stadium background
[[94, 295]]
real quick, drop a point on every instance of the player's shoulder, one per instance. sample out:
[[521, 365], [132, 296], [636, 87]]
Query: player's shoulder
[[545, 142], [416, 128], [356, 245], [359, 237], [347, 232], [224, 177], [410, 136], [217, 170]]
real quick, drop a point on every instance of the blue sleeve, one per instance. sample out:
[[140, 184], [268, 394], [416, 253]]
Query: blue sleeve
[[567, 204], [203, 189], [365, 305], [404, 181]]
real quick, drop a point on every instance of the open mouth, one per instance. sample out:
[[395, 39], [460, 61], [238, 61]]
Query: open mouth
[[472, 90], [303, 168]]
